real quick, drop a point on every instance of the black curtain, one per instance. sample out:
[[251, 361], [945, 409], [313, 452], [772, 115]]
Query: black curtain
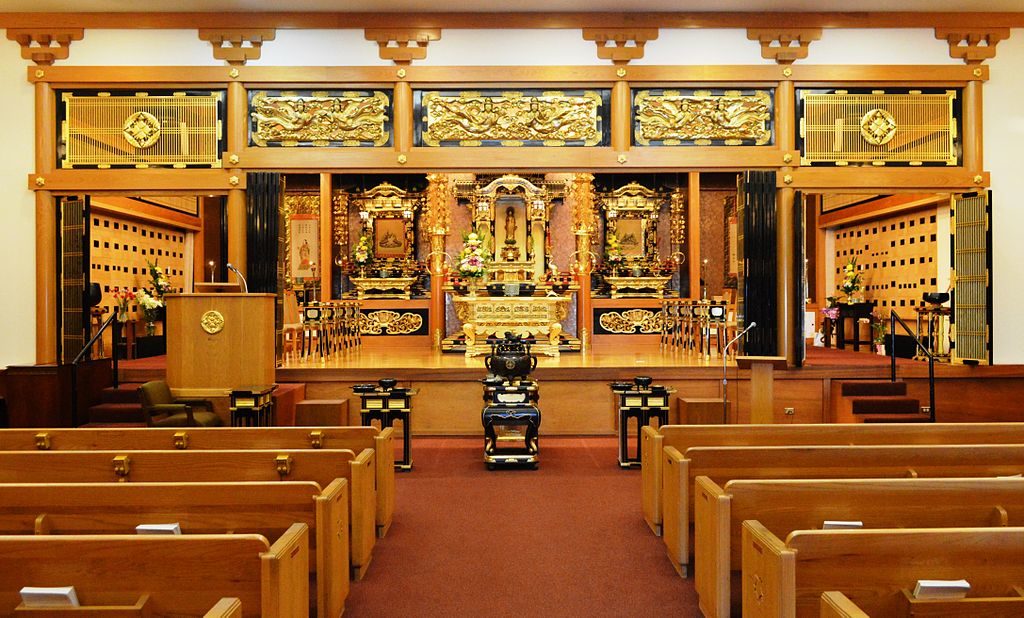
[[759, 256], [263, 199], [799, 278]]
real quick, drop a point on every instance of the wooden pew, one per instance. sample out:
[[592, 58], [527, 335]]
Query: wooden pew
[[228, 607], [268, 509], [321, 466], [683, 437], [783, 506], [835, 604], [872, 567], [183, 575], [355, 439], [724, 463]]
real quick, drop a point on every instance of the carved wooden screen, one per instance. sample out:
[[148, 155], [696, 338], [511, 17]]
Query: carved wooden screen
[[972, 295], [74, 252]]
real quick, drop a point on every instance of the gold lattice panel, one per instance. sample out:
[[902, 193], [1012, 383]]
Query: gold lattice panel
[[970, 259], [896, 257], [878, 128], [514, 118], [140, 130]]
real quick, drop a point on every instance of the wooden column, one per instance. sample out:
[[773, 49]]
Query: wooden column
[[785, 103], [403, 121], [236, 121], [972, 139], [693, 232], [237, 250], [46, 231], [621, 116], [326, 261], [199, 270]]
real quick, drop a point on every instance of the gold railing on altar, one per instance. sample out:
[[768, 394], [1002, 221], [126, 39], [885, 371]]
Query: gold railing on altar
[[878, 128], [141, 130]]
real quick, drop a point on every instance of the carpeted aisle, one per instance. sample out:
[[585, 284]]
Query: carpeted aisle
[[566, 540]]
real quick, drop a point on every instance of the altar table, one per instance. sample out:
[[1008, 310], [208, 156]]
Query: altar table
[[537, 316]]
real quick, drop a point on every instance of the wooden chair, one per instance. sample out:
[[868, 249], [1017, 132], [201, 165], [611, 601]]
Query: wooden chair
[[291, 329], [161, 409]]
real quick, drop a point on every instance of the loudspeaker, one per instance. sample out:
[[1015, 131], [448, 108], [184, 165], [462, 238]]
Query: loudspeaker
[[94, 295]]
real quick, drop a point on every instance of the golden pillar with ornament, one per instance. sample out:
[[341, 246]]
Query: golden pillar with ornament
[[580, 195], [440, 193]]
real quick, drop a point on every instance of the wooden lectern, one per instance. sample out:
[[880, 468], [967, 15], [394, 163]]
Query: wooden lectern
[[219, 342], [762, 385]]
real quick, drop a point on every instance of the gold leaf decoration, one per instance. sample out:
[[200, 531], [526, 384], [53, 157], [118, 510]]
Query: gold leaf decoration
[[376, 322], [512, 119], [732, 119], [631, 322], [352, 119]]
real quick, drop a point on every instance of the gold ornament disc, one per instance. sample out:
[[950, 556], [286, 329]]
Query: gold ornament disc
[[212, 322], [877, 127], [141, 129]]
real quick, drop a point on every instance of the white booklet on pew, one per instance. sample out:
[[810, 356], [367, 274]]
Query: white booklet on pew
[[54, 596], [837, 524], [158, 528], [941, 589]]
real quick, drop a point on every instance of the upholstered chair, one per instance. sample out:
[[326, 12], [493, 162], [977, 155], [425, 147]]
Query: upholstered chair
[[161, 409]]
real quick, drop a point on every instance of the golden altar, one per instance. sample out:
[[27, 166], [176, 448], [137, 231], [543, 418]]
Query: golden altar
[[484, 316]]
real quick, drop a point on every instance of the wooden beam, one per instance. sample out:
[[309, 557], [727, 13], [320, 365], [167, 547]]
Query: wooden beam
[[886, 180], [142, 211], [137, 182], [500, 20], [881, 207]]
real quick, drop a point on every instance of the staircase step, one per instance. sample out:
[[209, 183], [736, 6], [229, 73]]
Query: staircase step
[[116, 413], [877, 404], [873, 388], [126, 392]]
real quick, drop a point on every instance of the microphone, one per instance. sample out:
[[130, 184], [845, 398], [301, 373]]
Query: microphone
[[245, 286], [725, 379]]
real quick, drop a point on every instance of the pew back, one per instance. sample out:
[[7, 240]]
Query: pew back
[[725, 463], [355, 439], [872, 567], [268, 509], [183, 575], [783, 506], [683, 437], [321, 466]]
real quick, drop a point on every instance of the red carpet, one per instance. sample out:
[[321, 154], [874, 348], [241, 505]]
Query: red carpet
[[565, 540]]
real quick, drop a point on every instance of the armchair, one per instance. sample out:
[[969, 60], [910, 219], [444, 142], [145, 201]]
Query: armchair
[[161, 409]]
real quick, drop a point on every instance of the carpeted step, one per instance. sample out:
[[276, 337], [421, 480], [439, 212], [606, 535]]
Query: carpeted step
[[126, 392], [884, 405], [873, 388], [116, 413]]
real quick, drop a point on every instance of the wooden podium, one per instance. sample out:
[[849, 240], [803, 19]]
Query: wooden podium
[[219, 342]]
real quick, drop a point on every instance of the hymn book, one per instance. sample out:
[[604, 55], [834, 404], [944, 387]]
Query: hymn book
[[56, 596]]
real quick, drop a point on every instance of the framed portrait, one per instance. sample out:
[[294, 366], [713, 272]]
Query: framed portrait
[[304, 246], [390, 240], [631, 237]]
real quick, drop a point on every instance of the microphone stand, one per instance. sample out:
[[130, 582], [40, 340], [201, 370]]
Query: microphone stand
[[725, 380], [245, 286]]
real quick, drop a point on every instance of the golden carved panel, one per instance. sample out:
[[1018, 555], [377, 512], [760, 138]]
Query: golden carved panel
[[703, 118], [512, 118], [141, 130], [631, 322], [212, 322], [395, 323], [319, 119], [877, 127]]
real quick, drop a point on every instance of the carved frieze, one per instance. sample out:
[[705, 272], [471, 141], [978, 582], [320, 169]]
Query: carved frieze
[[631, 322], [516, 118], [877, 127], [703, 118], [319, 119], [386, 321]]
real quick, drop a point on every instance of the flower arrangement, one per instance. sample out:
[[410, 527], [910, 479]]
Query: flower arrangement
[[362, 255], [878, 327], [851, 278], [472, 262], [150, 305], [158, 279], [831, 313], [123, 298], [613, 249]]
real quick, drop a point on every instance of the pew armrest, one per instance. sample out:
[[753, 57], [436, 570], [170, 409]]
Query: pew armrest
[[712, 547], [675, 505], [285, 575], [228, 607], [384, 447], [769, 574], [650, 476], [362, 511], [835, 604], [332, 547]]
